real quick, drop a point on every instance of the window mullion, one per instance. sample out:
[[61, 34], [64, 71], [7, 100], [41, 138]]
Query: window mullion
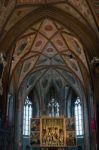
[[78, 117], [27, 114]]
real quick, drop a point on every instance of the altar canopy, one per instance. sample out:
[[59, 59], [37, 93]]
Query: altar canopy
[[52, 132]]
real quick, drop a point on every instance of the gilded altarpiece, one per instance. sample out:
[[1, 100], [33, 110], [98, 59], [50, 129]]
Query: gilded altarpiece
[[35, 132], [52, 132], [70, 132]]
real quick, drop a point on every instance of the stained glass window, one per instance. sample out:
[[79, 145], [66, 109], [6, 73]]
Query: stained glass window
[[53, 107], [27, 114], [79, 117]]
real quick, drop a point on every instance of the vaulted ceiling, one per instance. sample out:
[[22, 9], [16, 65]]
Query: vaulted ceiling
[[48, 51]]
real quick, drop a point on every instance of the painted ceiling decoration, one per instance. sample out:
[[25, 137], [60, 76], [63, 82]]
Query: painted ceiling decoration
[[35, 2], [46, 49], [80, 10], [12, 12], [95, 4], [17, 15], [4, 2]]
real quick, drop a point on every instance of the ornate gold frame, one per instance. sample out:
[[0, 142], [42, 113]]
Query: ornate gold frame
[[55, 126]]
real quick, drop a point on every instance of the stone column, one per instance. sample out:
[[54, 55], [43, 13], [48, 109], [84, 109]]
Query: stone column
[[95, 78], [18, 124], [96, 106]]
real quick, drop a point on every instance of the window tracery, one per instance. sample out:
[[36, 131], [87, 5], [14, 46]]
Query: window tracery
[[78, 117], [27, 114], [53, 108]]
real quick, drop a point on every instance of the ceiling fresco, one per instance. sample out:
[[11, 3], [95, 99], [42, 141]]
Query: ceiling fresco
[[48, 48], [11, 11], [95, 4], [5, 11], [80, 10], [17, 15], [4, 2]]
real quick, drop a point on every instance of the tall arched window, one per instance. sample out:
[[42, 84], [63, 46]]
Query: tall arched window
[[53, 108], [27, 114], [79, 117]]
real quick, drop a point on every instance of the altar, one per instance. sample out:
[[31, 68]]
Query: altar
[[52, 132]]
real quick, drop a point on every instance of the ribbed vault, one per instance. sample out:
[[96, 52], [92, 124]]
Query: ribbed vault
[[48, 50], [48, 40]]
